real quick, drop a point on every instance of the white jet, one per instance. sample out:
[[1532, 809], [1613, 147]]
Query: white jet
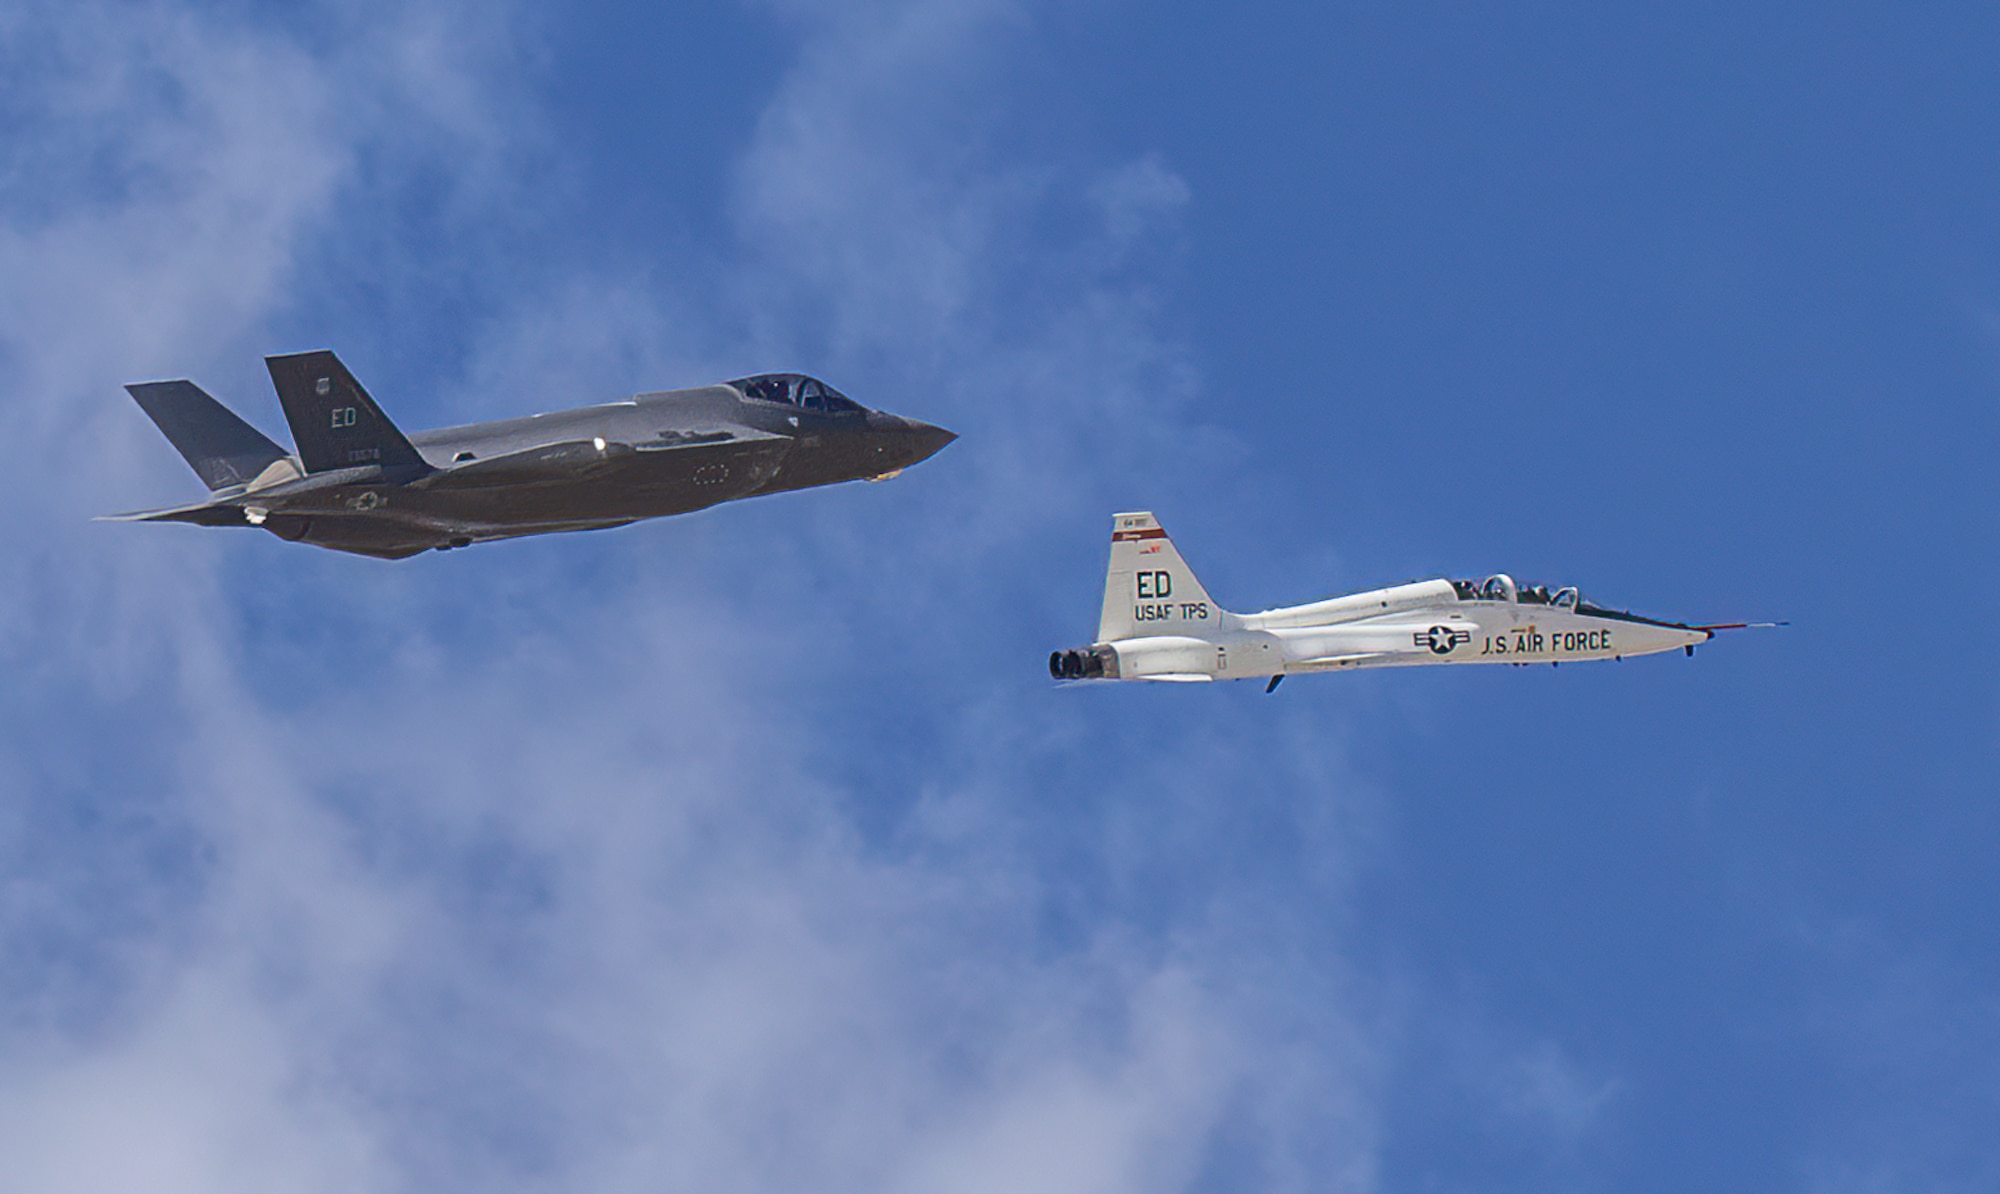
[[1159, 624]]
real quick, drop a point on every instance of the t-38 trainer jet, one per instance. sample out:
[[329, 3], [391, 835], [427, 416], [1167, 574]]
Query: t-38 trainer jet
[[358, 484], [1159, 624]]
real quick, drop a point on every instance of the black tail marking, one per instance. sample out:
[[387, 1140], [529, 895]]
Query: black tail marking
[[334, 421]]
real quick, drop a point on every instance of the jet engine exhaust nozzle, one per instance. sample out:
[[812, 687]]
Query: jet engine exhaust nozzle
[[1089, 663]]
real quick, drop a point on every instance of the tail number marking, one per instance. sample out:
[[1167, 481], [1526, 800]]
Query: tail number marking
[[1152, 588], [344, 416]]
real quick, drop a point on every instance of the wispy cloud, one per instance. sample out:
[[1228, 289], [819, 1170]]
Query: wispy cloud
[[672, 862]]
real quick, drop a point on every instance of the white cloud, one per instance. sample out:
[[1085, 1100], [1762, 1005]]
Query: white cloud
[[466, 873], [1138, 197], [204, 1095], [1546, 1088]]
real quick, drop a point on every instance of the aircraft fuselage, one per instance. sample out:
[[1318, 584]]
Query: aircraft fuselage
[[1411, 625], [357, 484], [1159, 623]]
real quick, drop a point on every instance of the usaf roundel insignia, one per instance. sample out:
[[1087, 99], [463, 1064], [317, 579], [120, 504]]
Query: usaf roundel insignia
[[1441, 639]]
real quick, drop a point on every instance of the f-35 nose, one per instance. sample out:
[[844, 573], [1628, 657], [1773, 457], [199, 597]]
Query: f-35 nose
[[927, 441], [909, 440]]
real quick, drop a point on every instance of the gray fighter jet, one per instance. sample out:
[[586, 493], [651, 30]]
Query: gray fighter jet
[[358, 484]]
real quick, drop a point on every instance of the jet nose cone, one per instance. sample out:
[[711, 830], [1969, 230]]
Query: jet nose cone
[[927, 441], [907, 441]]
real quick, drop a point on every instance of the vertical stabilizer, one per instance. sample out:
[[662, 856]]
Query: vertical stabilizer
[[334, 422], [1149, 589], [222, 449]]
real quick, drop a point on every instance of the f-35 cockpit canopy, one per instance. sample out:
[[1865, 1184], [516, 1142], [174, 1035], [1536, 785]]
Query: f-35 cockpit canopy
[[795, 389]]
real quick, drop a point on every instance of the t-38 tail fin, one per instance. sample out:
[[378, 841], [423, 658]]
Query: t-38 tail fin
[[1149, 589], [334, 422], [222, 449]]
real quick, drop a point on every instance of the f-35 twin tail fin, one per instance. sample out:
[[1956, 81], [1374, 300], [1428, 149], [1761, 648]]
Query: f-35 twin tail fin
[[334, 422], [223, 450]]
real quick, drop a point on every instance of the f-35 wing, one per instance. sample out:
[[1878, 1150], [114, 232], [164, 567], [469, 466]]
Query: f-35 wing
[[582, 459], [542, 464]]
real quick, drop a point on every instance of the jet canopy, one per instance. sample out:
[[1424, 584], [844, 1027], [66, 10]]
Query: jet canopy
[[795, 389], [1501, 587]]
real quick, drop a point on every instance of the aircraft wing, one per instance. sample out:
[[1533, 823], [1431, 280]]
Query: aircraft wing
[[719, 433], [1331, 662], [571, 459], [1179, 677]]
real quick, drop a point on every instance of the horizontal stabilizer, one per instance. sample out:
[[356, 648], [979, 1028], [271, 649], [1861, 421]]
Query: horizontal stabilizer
[[222, 449], [204, 514]]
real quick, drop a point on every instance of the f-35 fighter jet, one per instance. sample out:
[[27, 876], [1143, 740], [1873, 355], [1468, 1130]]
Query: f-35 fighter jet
[[358, 484], [1159, 624]]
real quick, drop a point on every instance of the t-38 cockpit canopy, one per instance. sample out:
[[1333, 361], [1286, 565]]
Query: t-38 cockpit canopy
[[1501, 587], [795, 389]]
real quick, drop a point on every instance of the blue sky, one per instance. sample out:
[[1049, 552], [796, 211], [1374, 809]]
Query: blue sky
[[753, 849]]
